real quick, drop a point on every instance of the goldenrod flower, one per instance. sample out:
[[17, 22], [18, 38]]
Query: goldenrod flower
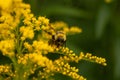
[[7, 47], [27, 32], [59, 25], [40, 46], [5, 4], [108, 1]]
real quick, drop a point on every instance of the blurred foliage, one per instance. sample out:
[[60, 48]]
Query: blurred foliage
[[100, 21]]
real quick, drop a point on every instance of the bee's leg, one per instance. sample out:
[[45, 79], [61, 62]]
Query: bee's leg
[[50, 42], [57, 44]]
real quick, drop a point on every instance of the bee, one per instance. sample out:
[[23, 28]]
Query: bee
[[58, 39]]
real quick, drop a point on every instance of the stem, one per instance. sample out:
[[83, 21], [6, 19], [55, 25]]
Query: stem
[[18, 41], [18, 68]]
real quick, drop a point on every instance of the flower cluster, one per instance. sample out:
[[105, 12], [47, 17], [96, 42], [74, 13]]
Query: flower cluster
[[61, 25], [4, 69], [24, 39], [7, 47]]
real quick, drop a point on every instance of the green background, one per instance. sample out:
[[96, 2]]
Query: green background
[[100, 21]]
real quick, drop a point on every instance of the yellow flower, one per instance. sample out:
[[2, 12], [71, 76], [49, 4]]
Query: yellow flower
[[59, 25], [72, 30], [43, 20], [42, 47], [7, 47], [4, 4], [108, 1], [28, 46], [90, 57], [27, 32], [64, 68], [5, 69]]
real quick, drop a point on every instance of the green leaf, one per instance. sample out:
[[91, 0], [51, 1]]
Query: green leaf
[[65, 11], [117, 59], [102, 19]]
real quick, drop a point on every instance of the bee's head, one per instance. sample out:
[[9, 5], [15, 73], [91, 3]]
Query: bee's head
[[60, 36]]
